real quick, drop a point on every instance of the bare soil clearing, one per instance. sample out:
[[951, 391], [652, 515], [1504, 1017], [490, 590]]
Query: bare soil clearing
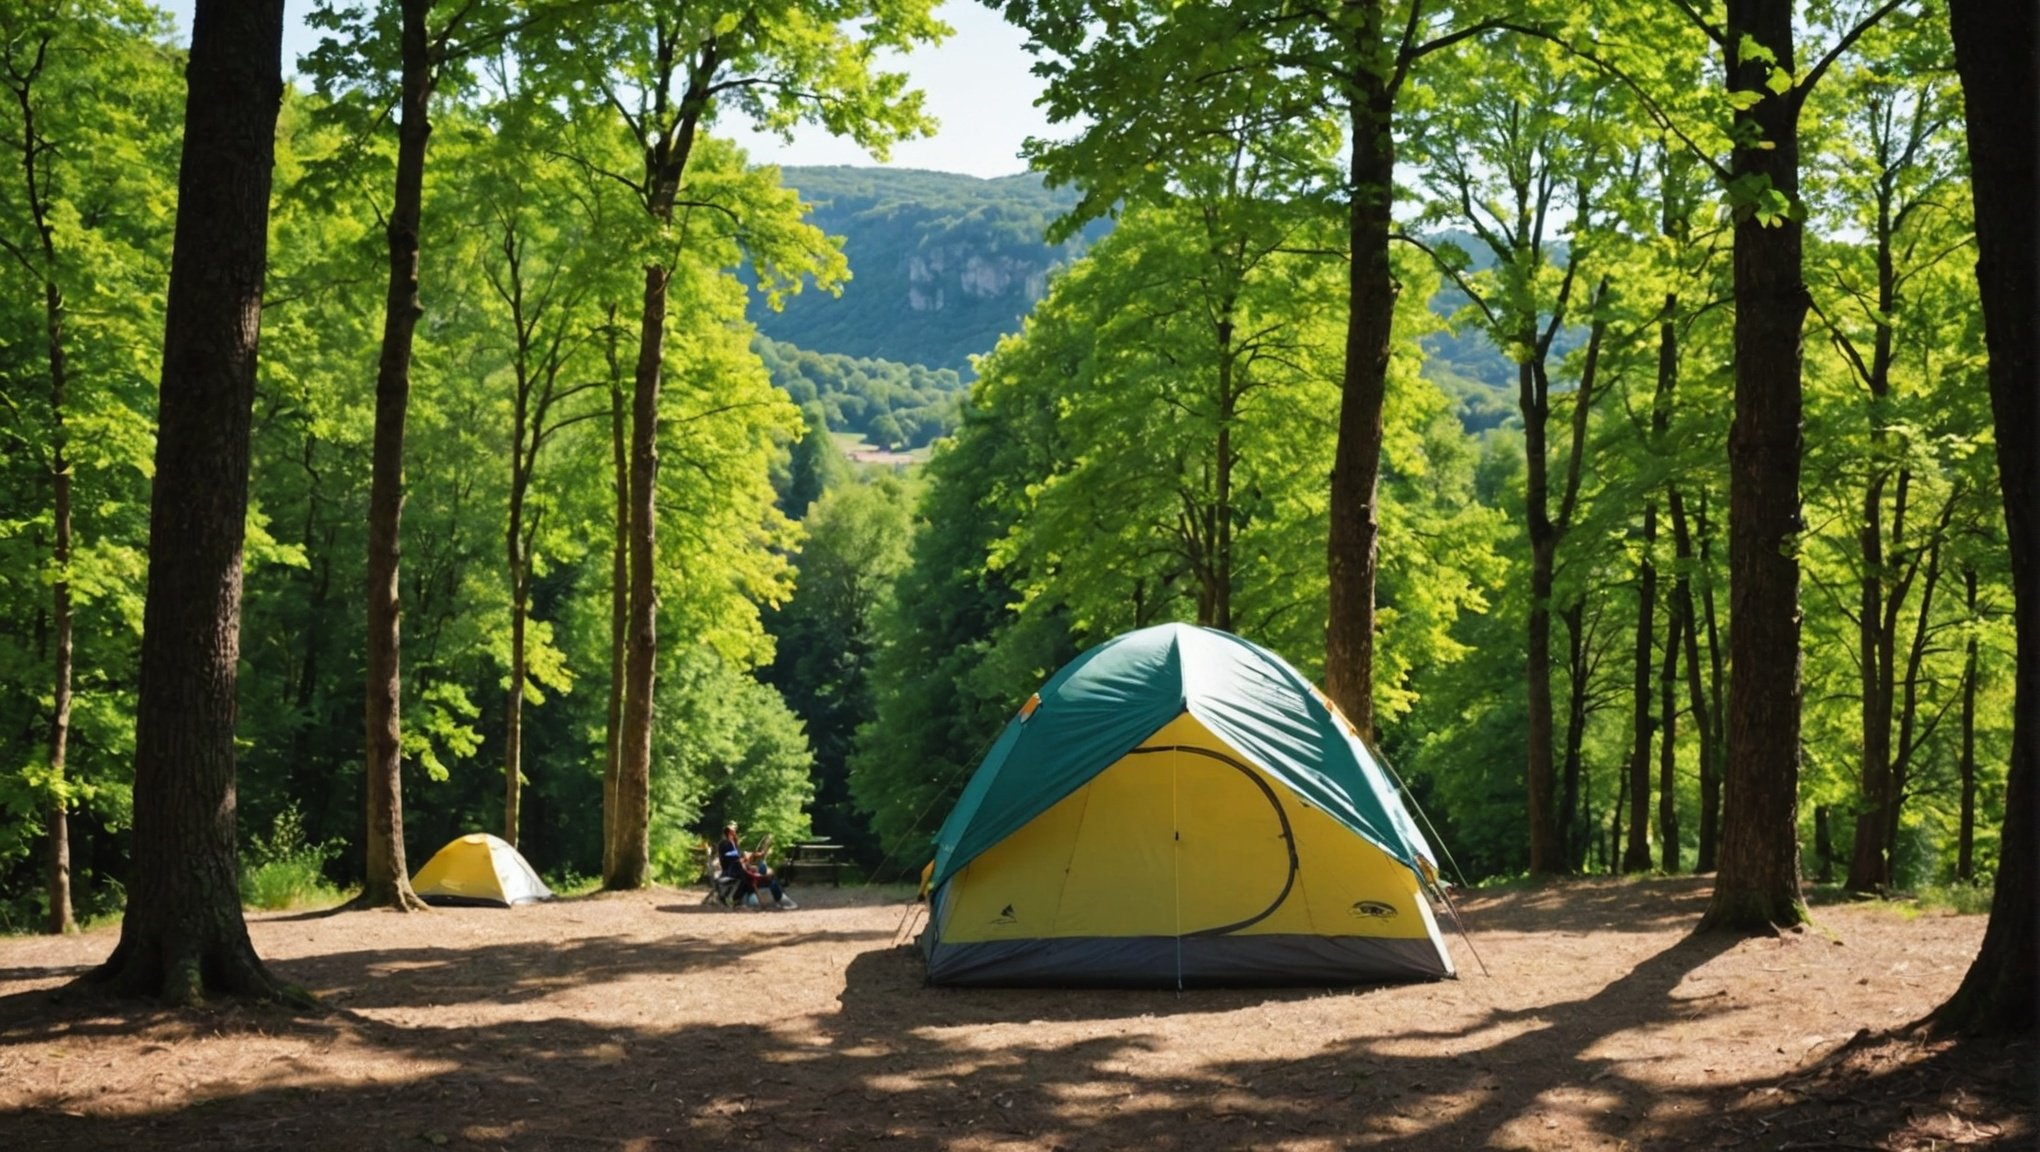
[[646, 1021]]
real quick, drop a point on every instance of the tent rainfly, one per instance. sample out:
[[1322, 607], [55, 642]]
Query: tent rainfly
[[1178, 807], [479, 869]]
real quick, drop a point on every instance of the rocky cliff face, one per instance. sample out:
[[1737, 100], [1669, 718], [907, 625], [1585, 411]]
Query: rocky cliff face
[[941, 265], [931, 276]]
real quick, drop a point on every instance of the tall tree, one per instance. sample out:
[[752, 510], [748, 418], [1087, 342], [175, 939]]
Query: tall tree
[[1890, 175], [665, 73], [546, 223], [1757, 888], [1997, 54], [422, 55], [388, 882], [84, 317], [24, 55], [182, 934], [1516, 149]]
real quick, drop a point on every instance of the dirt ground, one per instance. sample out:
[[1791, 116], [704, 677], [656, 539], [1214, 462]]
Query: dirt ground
[[648, 1021]]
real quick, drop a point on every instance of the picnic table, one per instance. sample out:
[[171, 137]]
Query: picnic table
[[814, 856]]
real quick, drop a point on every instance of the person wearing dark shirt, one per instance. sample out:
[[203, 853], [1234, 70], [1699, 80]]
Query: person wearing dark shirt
[[745, 866]]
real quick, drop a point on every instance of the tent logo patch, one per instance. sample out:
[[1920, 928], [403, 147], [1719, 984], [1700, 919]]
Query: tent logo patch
[[1006, 916], [1374, 910]]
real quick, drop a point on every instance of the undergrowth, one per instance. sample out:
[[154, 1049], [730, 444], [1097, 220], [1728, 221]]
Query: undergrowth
[[284, 869]]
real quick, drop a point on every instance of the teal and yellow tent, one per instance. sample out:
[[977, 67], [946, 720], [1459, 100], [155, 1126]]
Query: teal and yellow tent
[[1180, 807]]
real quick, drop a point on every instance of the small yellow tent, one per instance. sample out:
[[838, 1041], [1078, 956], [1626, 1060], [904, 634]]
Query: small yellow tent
[[479, 869]]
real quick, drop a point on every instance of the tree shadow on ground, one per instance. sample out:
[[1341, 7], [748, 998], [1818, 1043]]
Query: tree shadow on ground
[[510, 973], [1586, 906], [918, 1079], [915, 1067]]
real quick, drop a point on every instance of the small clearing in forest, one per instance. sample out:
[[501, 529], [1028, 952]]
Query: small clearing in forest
[[645, 1021]]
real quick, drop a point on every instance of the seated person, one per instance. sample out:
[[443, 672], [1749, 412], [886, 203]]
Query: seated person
[[747, 867]]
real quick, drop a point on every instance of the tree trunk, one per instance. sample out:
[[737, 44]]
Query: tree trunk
[[629, 853], [1909, 705], [1555, 841], [1869, 868], [1547, 854], [1757, 888], [1823, 845], [1705, 698], [524, 429], [1611, 849], [1636, 856], [1221, 606], [1668, 746], [1994, 55], [1965, 839], [1877, 611], [59, 829], [513, 711], [388, 881], [1573, 782], [1356, 461], [1672, 224], [182, 934], [36, 184], [619, 602], [59, 824]]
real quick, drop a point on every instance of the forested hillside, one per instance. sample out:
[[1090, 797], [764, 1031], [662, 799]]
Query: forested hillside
[[1700, 542], [941, 265], [891, 404]]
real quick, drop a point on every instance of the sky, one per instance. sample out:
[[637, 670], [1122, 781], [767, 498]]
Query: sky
[[977, 85]]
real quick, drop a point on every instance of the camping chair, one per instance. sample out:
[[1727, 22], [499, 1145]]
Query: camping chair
[[723, 891]]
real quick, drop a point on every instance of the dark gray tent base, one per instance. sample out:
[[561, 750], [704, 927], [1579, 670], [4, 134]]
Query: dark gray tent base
[[1188, 961], [439, 901]]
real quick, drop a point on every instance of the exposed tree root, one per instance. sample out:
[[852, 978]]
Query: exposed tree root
[[394, 897], [182, 974], [1751, 914]]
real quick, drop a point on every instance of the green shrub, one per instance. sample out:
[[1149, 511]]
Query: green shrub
[[283, 870], [1958, 898], [568, 882]]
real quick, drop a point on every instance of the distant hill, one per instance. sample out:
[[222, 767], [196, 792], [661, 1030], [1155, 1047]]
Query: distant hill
[[942, 265]]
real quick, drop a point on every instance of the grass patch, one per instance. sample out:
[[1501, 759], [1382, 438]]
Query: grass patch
[[568, 882], [1929, 900], [285, 870]]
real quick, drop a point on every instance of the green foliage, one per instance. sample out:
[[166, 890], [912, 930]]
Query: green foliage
[[283, 869], [87, 236], [838, 648], [856, 545], [896, 406], [725, 747], [954, 663]]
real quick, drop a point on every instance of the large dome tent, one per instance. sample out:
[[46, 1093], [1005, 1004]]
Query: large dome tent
[[1176, 807]]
